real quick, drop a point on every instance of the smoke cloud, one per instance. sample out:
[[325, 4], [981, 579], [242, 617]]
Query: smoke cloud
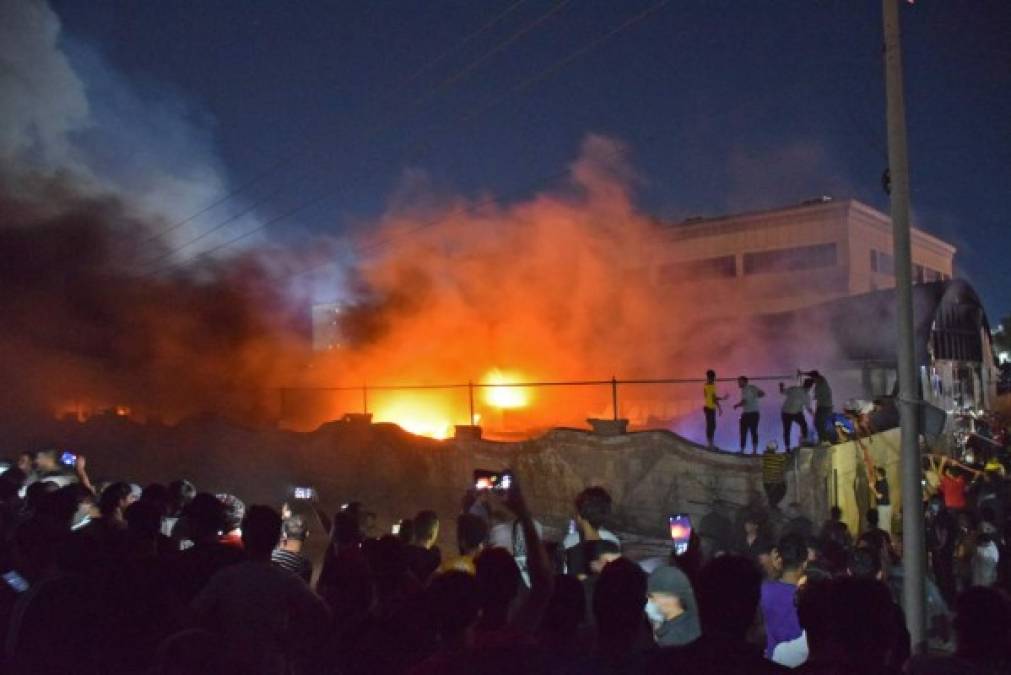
[[92, 170], [562, 285]]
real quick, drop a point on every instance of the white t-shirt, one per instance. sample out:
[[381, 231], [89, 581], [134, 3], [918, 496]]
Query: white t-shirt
[[984, 564], [791, 653], [749, 397], [796, 400]]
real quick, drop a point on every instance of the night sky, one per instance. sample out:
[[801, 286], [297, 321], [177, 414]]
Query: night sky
[[726, 106]]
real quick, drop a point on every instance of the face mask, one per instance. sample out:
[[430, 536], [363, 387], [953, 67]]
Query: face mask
[[653, 612]]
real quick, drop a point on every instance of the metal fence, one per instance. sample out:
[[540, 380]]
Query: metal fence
[[614, 385]]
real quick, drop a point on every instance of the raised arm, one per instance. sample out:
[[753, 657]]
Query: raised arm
[[80, 468], [542, 581]]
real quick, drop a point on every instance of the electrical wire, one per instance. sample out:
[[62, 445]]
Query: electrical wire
[[288, 158], [522, 85]]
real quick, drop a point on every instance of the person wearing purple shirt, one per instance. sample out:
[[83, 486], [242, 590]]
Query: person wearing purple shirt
[[779, 611]]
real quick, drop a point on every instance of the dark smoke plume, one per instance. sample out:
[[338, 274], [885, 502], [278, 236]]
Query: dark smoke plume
[[80, 327]]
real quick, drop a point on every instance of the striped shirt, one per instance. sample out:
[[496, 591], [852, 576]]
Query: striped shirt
[[292, 562], [773, 468]]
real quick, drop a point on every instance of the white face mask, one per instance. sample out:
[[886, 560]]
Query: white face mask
[[653, 612]]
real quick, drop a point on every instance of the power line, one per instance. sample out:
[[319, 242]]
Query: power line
[[489, 25], [521, 86], [500, 47], [288, 158]]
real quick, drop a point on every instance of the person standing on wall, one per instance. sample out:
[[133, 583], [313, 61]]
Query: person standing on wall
[[795, 401], [822, 405], [749, 412], [884, 500], [711, 406]]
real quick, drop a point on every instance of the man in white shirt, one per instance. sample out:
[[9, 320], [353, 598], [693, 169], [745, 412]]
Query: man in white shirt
[[795, 401], [749, 413]]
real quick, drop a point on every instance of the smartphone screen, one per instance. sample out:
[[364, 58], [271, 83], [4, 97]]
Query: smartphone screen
[[492, 480], [16, 581], [680, 532], [485, 480], [304, 493], [68, 459]]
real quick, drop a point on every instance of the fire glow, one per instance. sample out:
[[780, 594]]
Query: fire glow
[[505, 397]]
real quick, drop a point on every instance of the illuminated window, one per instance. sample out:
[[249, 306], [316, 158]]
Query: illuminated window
[[791, 259]]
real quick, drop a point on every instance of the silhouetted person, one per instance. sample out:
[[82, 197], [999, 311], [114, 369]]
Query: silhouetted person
[[982, 626], [267, 619], [204, 520], [559, 630], [834, 529], [750, 394], [423, 556], [453, 601], [471, 534], [822, 406], [593, 508], [619, 604], [795, 401], [54, 622], [852, 626], [711, 406]]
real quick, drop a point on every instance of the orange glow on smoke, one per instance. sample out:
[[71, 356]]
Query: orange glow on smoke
[[505, 397]]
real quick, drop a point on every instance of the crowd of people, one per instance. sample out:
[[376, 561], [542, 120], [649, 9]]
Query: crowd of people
[[115, 578], [813, 395]]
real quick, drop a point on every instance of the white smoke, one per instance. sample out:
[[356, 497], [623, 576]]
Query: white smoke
[[64, 110]]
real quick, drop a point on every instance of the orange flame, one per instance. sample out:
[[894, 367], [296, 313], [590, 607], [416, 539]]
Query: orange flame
[[505, 397]]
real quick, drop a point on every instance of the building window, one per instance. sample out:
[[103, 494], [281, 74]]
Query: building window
[[791, 259], [723, 267], [918, 274], [931, 275], [882, 263]]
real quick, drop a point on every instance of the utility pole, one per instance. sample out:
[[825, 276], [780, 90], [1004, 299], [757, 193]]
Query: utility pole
[[914, 556]]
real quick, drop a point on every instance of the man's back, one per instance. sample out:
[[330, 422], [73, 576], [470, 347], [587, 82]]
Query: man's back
[[195, 566], [795, 400], [822, 392], [292, 562], [261, 612]]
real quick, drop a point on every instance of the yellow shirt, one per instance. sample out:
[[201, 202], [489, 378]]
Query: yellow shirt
[[461, 563], [709, 390]]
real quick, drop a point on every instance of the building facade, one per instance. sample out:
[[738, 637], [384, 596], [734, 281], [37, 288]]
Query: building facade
[[788, 258]]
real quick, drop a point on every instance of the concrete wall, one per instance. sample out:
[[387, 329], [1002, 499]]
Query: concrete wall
[[650, 474], [847, 477]]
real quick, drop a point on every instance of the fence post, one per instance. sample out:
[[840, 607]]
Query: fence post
[[614, 396], [365, 399], [470, 400]]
